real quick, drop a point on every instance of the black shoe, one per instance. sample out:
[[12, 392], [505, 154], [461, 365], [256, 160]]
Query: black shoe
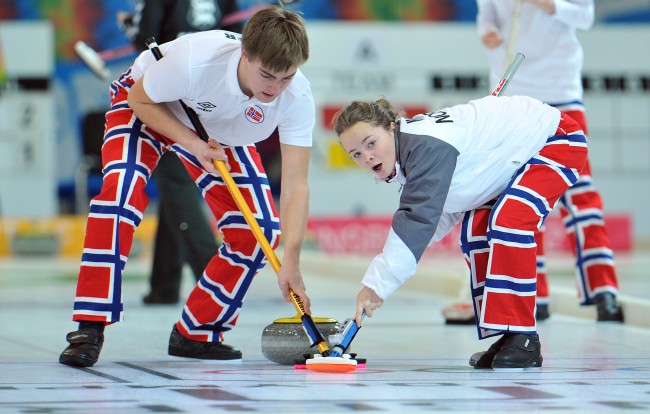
[[484, 359], [542, 312], [607, 308], [159, 299], [84, 348], [183, 347], [519, 351]]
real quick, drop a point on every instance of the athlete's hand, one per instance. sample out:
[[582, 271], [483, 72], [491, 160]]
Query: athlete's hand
[[491, 38], [206, 152], [367, 301], [289, 277]]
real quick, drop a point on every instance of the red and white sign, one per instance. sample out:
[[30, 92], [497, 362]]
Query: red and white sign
[[366, 235]]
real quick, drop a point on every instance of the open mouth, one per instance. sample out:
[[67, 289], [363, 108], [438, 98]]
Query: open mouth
[[377, 168]]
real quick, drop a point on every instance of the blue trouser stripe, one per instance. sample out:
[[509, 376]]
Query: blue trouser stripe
[[510, 285]]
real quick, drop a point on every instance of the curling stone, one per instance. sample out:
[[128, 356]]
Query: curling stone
[[285, 340]]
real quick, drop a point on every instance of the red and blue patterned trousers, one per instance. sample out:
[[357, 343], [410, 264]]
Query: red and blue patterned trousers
[[130, 153], [498, 239], [581, 208]]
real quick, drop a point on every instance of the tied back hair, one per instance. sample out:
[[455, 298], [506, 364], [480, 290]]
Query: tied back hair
[[379, 113]]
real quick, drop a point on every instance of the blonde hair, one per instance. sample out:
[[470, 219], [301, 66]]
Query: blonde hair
[[277, 37], [379, 113]]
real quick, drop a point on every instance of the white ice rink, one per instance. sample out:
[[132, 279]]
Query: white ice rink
[[415, 363]]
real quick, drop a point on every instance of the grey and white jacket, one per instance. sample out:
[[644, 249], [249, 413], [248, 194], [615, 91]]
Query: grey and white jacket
[[451, 161]]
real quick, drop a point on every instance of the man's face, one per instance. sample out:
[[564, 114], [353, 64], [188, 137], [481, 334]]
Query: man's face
[[371, 147], [263, 84]]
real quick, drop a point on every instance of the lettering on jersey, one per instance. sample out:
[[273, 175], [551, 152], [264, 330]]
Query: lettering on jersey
[[206, 106], [416, 118], [254, 114], [441, 117], [231, 35]]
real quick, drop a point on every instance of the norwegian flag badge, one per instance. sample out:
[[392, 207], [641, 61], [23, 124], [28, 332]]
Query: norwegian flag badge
[[255, 114]]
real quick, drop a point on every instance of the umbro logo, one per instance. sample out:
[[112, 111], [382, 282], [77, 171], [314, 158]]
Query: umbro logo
[[206, 106]]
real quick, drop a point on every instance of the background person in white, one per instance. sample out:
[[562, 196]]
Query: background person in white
[[545, 31], [242, 89]]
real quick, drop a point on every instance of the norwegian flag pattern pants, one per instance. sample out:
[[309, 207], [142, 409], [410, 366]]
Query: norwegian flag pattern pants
[[129, 155], [581, 209], [498, 239]]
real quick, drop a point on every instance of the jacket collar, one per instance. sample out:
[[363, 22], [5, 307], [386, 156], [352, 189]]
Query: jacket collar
[[397, 174]]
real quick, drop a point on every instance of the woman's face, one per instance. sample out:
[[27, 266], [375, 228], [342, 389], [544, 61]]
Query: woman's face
[[371, 147], [261, 83]]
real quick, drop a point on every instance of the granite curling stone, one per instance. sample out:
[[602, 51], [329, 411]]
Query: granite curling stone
[[285, 340]]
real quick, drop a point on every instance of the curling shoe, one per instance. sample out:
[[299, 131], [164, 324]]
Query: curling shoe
[[542, 313], [519, 351], [484, 359], [183, 347], [85, 346], [608, 310]]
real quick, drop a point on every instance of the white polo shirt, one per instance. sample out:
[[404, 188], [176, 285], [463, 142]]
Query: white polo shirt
[[201, 69]]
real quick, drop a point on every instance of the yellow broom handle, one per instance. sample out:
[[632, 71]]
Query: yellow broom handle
[[255, 227], [248, 214], [261, 238]]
